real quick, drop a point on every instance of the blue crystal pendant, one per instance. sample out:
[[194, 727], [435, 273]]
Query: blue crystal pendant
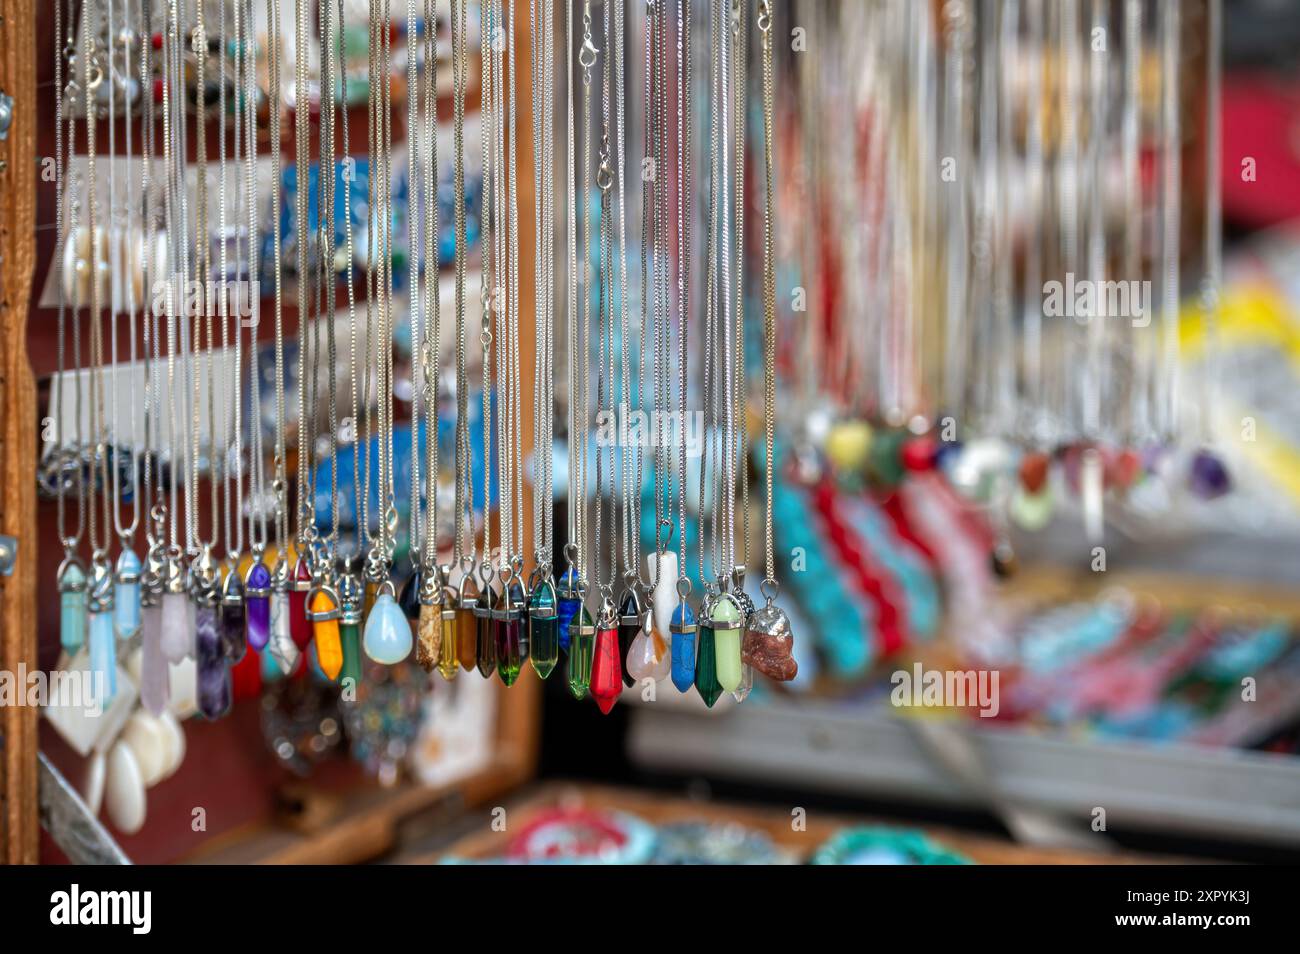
[[683, 647], [387, 638], [103, 641], [569, 599], [72, 605], [126, 595]]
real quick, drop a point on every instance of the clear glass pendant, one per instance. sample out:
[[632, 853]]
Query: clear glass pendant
[[281, 647], [387, 638], [154, 676], [746, 684], [726, 626], [214, 688], [72, 585], [177, 627], [683, 647], [324, 615], [543, 629], [582, 638], [126, 595], [257, 599]]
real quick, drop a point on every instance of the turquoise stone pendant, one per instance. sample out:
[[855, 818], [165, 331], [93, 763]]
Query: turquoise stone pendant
[[683, 631], [387, 637], [72, 605], [126, 595]]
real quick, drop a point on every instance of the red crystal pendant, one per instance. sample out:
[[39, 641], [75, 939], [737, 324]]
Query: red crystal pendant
[[606, 671], [299, 624]]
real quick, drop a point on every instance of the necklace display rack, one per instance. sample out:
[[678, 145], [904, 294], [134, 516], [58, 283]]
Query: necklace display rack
[[191, 541]]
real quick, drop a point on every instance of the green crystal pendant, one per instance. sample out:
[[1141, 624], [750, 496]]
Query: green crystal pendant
[[544, 629], [487, 650], [706, 665], [582, 643], [726, 625], [511, 634]]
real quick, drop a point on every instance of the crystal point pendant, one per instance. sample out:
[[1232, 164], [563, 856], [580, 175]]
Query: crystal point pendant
[[428, 643], [741, 692], [726, 625], [299, 587], [257, 597], [568, 599], [466, 625], [769, 644], [649, 656], [103, 656], [683, 649], [582, 637], [214, 687], [448, 660], [177, 627], [283, 650], [487, 649], [350, 634], [511, 635], [232, 618], [606, 670], [323, 606], [72, 606], [409, 597], [387, 636], [706, 665], [543, 629], [126, 595], [154, 677], [629, 627]]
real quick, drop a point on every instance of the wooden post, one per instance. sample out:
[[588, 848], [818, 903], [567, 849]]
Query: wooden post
[[18, 825]]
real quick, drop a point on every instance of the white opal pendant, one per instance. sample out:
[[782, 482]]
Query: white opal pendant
[[387, 637]]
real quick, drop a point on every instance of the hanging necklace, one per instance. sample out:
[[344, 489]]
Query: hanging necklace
[[460, 645], [232, 615], [71, 576], [126, 575], [324, 607], [582, 630], [429, 644], [350, 593], [543, 615], [257, 579], [570, 590], [682, 625], [387, 637], [489, 300], [768, 642], [101, 637], [606, 668]]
